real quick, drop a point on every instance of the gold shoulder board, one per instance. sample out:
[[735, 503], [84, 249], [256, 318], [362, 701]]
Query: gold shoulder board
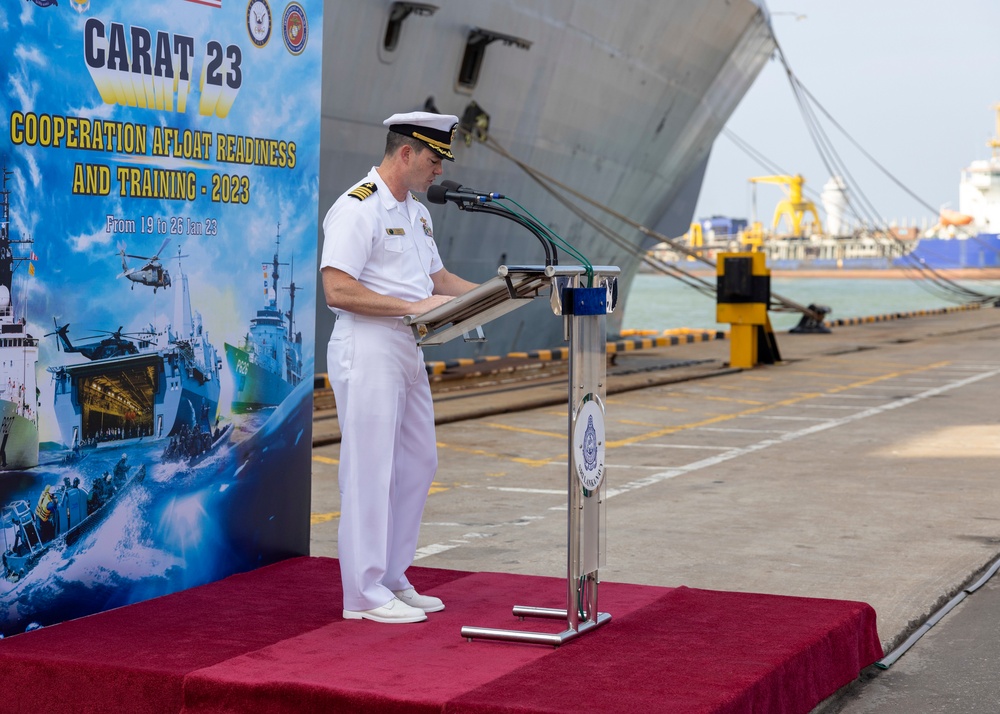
[[363, 191]]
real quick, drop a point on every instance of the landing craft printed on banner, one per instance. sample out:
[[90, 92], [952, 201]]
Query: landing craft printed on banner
[[155, 404]]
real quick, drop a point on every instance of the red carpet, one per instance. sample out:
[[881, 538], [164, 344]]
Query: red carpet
[[273, 640]]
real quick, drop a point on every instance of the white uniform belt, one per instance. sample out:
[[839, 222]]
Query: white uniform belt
[[393, 323]]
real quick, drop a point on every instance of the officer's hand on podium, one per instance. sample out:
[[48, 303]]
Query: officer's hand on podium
[[428, 304]]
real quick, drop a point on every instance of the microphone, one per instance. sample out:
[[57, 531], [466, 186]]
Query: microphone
[[439, 194], [455, 186]]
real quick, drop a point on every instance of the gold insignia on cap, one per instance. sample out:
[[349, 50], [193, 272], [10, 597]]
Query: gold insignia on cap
[[438, 146], [363, 191]]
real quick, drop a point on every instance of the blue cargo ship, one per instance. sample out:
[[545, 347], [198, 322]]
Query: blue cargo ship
[[978, 251]]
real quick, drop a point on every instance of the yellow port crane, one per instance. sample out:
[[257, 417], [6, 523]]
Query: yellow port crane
[[793, 207]]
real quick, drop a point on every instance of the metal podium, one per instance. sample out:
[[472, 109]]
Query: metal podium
[[584, 309]]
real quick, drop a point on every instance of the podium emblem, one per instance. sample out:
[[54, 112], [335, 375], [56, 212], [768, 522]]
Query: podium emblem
[[588, 445]]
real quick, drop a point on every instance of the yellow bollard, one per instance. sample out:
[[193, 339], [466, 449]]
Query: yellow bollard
[[743, 293]]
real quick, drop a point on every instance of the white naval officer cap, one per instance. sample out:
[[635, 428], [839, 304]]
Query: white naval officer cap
[[436, 131]]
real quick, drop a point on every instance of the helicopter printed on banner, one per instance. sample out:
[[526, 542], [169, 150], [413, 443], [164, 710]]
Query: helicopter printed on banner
[[151, 274]]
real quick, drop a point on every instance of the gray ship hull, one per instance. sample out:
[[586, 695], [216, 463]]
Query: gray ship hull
[[622, 102]]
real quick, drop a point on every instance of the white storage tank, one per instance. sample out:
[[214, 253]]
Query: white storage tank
[[834, 198]]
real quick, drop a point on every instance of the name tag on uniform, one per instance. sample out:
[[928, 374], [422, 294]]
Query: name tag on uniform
[[396, 231]]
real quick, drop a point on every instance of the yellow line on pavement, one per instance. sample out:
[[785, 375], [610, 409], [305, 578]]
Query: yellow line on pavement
[[631, 422], [323, 517], [665, 431], [480, 452], [825, 375], [730, 399], [900, 373], [704, 422], [524, 430], [637, 405], [783, 403], [325, 459]]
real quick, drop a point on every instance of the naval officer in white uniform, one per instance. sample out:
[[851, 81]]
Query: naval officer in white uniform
[[379, 263]]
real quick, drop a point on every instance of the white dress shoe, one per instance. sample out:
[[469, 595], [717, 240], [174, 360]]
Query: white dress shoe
[[393, 612], [414, 599]]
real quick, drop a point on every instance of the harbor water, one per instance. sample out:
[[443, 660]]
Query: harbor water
[[659, 302]]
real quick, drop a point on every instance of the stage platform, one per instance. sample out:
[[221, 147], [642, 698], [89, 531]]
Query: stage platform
[[273, 640]]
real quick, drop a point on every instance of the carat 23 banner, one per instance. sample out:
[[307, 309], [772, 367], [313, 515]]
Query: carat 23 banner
[[157, 296]]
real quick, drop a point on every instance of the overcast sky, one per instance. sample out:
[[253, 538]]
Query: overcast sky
[[912, 81]]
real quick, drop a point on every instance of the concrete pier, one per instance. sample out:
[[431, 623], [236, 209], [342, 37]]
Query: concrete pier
[[862, 467]]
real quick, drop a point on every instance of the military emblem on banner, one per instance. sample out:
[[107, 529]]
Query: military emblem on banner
[[259, 22], [294, 28]]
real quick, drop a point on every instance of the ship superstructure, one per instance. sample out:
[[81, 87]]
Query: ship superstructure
[[969, 237], [139, 386], [18, 353], [267, 364], [979, 189]]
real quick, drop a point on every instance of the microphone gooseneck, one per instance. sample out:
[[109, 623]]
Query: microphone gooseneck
[[469, 199]]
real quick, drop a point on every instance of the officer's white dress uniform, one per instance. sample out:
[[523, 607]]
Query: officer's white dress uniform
[[388, 453]]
